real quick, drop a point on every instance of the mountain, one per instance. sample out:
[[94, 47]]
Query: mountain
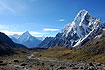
[[41, 38], [14, 39], [20, 46], [5, 49], [93, 51], [6, 45], [45, 42], [5, 39], [15, 36], [82, 30], [27, 39]]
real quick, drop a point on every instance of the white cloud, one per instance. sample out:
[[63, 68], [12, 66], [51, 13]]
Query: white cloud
[[19, 33], [61, 20], [10, 32], [3, 26], [49, 29]]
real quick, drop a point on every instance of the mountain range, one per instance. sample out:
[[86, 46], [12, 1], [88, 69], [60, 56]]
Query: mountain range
[[5, 39], [45, 42], [82, 30], [7, 45], [26, 39]]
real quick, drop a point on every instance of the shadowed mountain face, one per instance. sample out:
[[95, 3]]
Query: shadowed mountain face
[[6, 40], [45, 42], [83, 29], [5, 49]]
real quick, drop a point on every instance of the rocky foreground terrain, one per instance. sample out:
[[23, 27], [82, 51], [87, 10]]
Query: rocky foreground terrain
[[26, 60]]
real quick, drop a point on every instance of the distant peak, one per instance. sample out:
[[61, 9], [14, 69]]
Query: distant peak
[[83, 10], [27, 33]]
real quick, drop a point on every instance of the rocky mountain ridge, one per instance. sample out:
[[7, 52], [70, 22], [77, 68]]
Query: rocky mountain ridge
[[83, 29]]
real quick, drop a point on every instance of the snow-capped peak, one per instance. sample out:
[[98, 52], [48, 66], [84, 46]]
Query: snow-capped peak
[[27, 39], [26, 33], [25, 36], [15, 36], [82, 30], [81, 15], [82, 26]]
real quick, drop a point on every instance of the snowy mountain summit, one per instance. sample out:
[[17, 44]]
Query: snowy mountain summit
[[82, 24], [83, 29], [27, 39], [24, 37]]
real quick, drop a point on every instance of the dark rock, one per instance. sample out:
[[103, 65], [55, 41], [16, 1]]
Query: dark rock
[[71, 65], [92, 68], [40, 55], [37, 63], [1, 61], [98, 64], [23, 64], [81, 67], [17, 61], [61, 67], [52, 65], [74, 67], [91, 64], [42, 64]]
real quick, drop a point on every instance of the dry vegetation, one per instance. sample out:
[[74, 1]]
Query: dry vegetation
[[19, 54], [94, 51]]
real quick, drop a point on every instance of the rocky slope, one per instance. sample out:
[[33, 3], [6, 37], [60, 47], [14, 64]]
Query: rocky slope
[[5, 49], [45, 42], [83, 29], [93, 51], [5, 39]]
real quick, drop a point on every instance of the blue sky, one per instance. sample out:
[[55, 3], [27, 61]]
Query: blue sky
[[44, 17]]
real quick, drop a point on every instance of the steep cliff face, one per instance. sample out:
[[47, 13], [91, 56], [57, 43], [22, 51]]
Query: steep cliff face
[[81, 30]]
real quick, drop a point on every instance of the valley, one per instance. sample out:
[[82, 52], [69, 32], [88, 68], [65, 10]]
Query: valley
[[39, 60], [79, 46]]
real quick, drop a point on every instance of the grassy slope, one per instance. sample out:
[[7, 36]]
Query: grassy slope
[[94, 51]]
